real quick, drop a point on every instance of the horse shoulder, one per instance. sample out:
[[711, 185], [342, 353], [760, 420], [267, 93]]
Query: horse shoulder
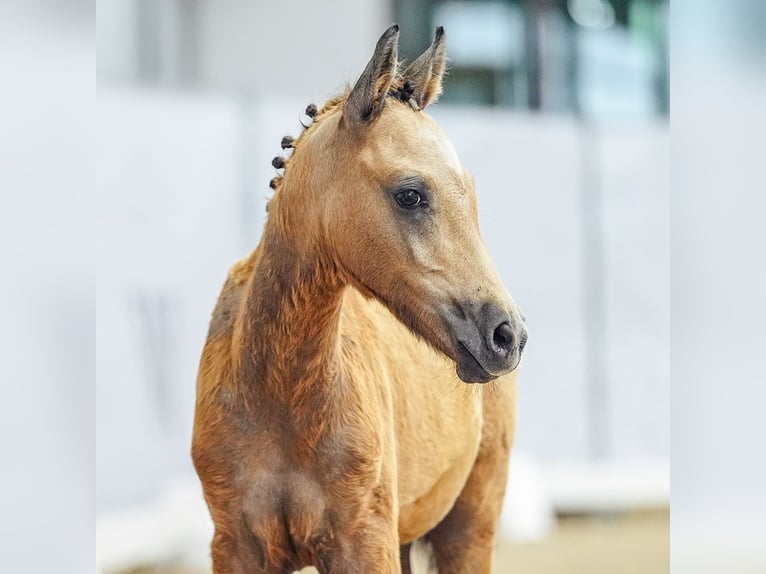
[[216, 370]]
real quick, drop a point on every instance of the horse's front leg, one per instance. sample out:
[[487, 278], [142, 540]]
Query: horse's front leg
[[368, 545], [404, 558], [231, 556], [364, 555], [463, 542]]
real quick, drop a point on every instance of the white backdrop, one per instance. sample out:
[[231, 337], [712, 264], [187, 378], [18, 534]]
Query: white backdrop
[[575, 217]]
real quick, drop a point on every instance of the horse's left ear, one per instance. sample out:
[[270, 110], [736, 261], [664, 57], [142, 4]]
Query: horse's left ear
[[425, 74], [369, 93]]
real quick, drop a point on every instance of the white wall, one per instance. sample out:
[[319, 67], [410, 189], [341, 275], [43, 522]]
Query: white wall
[[183, 188], [635, 178], [284, 49], [170, 197], [528, 175], [116, 40], [537, 181], [289, 48]]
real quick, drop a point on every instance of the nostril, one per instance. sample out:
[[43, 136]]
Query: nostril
[[503, 338]]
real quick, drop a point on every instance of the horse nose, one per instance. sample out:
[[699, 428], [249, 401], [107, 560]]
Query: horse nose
[[506, 336], [490, 339]]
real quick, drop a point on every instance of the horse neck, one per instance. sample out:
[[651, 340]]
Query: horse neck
[[289, 326]]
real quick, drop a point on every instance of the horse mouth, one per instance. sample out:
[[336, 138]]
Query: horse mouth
[[469, 369]]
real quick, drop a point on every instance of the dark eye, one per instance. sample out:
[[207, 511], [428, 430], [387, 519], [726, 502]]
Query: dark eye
[[408, 198]]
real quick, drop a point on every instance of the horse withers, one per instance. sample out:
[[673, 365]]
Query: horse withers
[[333, 423]]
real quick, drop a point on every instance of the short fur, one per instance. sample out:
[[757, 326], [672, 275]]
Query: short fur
[[330, 426]]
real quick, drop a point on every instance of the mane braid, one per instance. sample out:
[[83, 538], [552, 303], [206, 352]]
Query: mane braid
[[400, 90], [288, 142]]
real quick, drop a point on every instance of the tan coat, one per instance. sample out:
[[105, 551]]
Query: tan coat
[[332, 428]]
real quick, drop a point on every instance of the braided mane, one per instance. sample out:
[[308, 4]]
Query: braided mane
[[401, 90]]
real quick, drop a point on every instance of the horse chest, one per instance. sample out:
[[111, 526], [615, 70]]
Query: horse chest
[[437, 465], [284, 497], [284, 515], [295, 512]]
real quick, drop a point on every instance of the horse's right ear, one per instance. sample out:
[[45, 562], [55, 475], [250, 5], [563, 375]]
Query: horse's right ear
[[368, 96]]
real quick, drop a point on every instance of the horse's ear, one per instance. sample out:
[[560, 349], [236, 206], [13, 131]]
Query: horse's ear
[[369, 93], [425, 74]]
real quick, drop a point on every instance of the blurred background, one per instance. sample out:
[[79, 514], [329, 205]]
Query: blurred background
[[560, 111]]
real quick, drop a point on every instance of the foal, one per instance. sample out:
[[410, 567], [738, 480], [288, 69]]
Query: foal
[[331, 426]]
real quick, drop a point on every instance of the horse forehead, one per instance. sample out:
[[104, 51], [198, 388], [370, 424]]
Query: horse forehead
[[421, 139], [449, 153]]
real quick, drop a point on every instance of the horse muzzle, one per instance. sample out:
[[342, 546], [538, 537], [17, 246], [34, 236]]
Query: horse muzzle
[[488, 342]]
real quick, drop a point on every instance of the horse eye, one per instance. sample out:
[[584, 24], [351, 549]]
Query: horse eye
[[408, 198]]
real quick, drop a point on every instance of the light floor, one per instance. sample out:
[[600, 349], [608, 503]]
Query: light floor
[[636, 543]]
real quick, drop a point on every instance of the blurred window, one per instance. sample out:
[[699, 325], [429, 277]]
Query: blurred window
[[595, 58]]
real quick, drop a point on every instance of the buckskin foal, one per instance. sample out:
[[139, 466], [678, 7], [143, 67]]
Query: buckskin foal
[[332, 427]]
